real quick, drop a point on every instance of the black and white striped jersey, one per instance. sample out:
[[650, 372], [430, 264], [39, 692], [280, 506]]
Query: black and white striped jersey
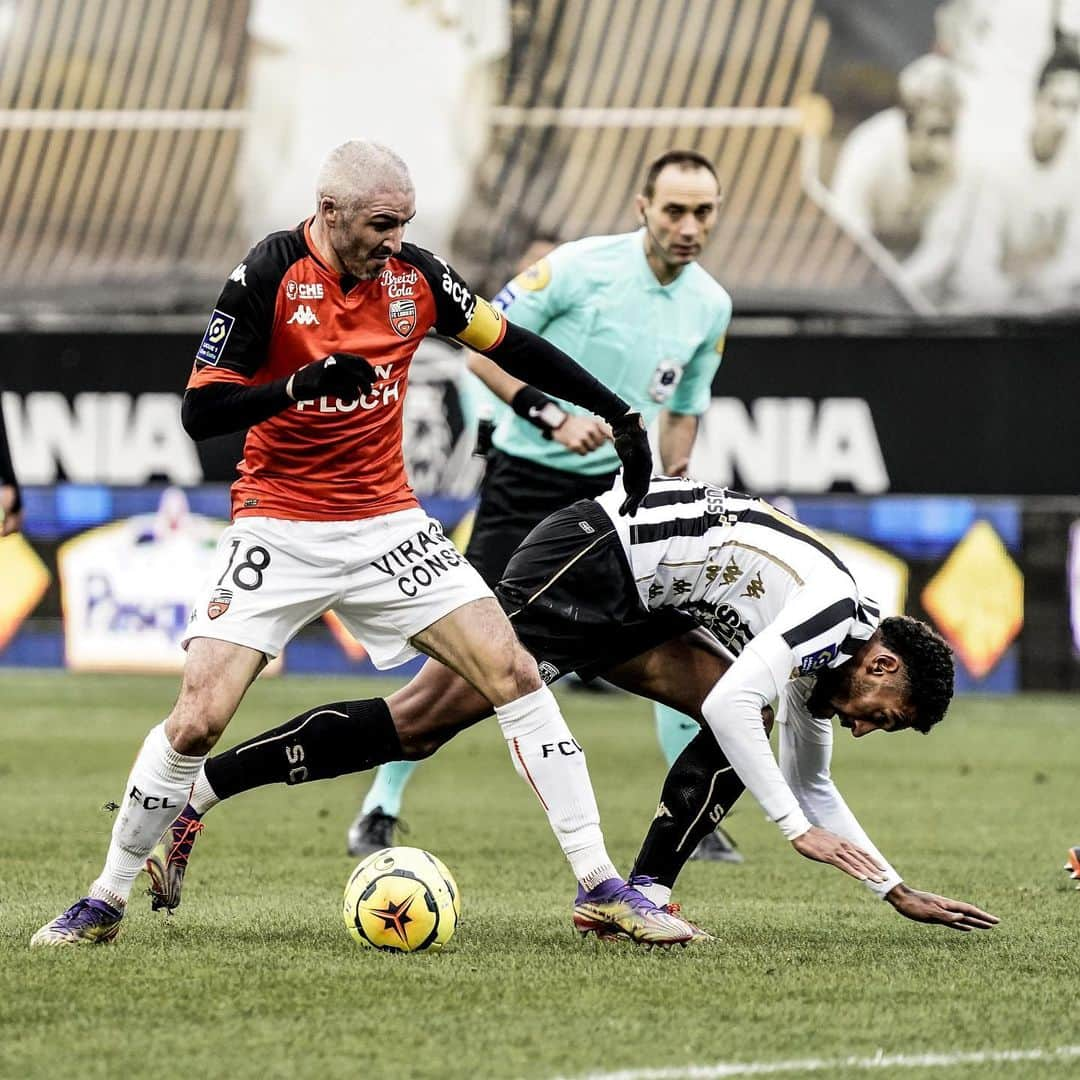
[[737, 565]]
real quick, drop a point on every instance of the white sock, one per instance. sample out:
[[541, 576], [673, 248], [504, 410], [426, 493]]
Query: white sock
[[156, 791], [203, 796], [657, 893], [550, 761]]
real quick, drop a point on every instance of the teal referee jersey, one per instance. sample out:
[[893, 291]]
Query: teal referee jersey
[[657, 346]]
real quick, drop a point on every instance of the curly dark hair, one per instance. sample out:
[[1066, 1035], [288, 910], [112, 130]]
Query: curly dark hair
[[928, 661]]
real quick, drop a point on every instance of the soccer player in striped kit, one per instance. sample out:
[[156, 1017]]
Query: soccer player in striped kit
[[713, 602]]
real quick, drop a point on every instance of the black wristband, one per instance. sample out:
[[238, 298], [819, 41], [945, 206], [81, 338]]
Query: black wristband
[[533, 360], [540, 410]]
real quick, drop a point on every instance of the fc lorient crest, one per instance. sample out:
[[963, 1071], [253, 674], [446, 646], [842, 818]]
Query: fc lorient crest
[[403, 316], [219, 603]]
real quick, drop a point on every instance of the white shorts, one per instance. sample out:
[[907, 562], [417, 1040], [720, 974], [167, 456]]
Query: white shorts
[[387, 578]]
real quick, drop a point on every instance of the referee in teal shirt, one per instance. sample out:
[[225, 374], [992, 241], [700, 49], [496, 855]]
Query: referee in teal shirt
[[637, 311]]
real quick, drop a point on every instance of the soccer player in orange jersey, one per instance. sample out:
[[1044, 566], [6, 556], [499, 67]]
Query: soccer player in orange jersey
[[308, 348]]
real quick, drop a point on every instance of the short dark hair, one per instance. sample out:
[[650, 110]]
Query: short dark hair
[[688, 159], [1063, 58], [928, 662], [544, 236]]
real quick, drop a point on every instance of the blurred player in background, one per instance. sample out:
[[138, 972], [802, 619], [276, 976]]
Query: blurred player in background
[[637, 311], [716, 603], [1022, 248], [897, 174], [309, 349], [1072, 864], [11, 511]]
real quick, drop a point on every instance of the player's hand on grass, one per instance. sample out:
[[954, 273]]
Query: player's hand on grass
[[10, 510], [632, 446], [824, 846], [342, 375], [931, 908], [581, 434]]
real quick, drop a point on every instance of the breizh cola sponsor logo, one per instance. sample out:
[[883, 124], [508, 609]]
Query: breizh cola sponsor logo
[[398, 284]]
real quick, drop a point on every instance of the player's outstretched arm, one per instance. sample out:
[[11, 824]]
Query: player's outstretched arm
[[220, 408], [530, 358], [535, 361], [733, 710], [930, 908], [579, 434], [826, 847]]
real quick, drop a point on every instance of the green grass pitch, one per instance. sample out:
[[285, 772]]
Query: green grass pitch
[[255, 976]]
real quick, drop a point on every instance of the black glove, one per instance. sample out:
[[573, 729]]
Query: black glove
[[632, 446], [342, 375]]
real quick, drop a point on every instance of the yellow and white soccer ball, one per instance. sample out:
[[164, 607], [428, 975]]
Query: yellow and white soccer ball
[[402, 899]]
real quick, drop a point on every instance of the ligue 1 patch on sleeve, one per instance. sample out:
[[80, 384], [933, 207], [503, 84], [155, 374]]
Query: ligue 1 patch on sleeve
[[213, 341], [816, 661]]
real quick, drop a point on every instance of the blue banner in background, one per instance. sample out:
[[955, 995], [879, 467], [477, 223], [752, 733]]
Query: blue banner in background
[[59, 511], [960, 563]]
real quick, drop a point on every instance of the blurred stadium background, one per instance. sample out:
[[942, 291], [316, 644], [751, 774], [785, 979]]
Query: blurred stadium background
[[899, 236]]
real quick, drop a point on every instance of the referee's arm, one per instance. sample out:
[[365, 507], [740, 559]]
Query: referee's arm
[[677, 434]]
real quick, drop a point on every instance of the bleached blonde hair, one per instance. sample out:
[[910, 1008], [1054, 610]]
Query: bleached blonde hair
[[358, 169]]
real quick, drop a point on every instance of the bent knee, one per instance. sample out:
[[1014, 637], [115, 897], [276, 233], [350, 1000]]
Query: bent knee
[[196, 723], [419, 737], [519, 676]]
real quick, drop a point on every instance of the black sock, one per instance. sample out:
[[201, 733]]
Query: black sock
[[700, 788], [324, 742]]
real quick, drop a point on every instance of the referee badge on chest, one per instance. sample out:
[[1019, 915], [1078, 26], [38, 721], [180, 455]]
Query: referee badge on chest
[[403, 316], [664, 380]]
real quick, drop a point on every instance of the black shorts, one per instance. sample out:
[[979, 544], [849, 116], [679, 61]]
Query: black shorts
[[515, 497], [571, 597]]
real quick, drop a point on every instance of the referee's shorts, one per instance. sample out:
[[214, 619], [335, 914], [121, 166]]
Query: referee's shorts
[[571, 597], [515, 496]]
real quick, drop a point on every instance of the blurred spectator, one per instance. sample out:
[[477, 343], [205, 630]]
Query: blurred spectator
[[10, 496], [896, 174], [1022, 249]]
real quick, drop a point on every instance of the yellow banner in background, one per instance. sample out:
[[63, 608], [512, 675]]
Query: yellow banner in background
[[23, 581], [977, 599]]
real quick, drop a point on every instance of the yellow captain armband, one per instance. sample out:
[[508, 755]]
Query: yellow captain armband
[[486, 328]]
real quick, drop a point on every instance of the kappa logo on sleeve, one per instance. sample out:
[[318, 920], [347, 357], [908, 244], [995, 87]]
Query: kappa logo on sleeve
[[213, 341]]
